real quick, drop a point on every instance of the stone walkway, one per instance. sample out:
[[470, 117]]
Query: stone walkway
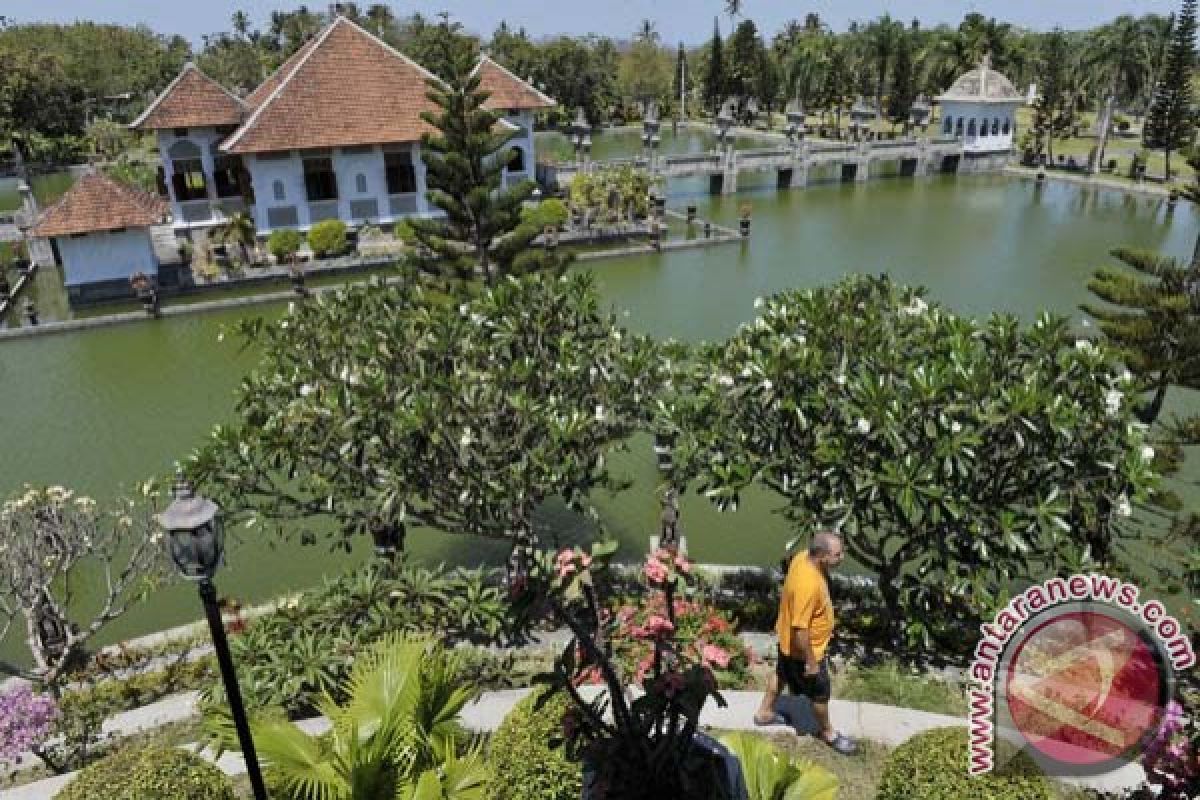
[[885, 724]]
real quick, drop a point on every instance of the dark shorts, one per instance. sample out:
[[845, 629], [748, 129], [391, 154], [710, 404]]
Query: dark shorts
[[792, 675]]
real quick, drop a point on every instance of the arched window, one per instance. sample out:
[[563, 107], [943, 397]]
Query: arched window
[[187, 172], [996, 127], [971, 129], [958, 127], [517, 164], [1007, 127], [947, 125], [360, 183], [183, 149]]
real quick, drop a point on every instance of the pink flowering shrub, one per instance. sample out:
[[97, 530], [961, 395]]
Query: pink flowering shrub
[[671, 648], [700, 635], [26, 719], [1172, 760]]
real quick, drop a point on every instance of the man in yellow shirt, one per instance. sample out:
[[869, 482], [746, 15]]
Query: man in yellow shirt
[[805, 627]]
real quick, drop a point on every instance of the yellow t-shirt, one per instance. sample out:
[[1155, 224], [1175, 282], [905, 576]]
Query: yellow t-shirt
[[805, 604]]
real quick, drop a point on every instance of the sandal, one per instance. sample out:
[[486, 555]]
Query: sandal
[[841, 743], [777, 719]]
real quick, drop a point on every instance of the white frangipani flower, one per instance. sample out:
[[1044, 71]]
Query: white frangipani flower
[[1147, 453], [466, 438], [1124, 508], [1085, 346], [955, 426], [599, 413], [1112, 401], [759, 302], [917, 306], [863, 426], [840, 379], [307, 389], [725, 380]]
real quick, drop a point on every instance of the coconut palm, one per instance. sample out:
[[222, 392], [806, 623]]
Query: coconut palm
[[883, 40], [396, 736]]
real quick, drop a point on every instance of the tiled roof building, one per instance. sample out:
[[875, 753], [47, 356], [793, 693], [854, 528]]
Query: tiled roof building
[[192, 100], [507, 91], [333, 133], [98, 203]]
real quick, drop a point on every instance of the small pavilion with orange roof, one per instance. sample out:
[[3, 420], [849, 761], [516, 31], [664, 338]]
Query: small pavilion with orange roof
[[100, 234]]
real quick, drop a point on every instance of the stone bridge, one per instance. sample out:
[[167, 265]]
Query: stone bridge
[[791, 164]]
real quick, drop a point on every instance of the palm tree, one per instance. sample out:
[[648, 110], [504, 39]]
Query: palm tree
[[812, 22], [241, 23], [647, 32], [397, 735], [883, 39], [239, 229], [733, 8]]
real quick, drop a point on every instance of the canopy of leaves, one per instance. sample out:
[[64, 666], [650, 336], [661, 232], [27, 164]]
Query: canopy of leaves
[[383, 405], [955, 456]]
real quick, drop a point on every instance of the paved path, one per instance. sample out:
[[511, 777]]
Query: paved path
[[885, 724]]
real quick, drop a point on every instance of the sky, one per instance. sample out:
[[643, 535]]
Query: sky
[[689, 21]]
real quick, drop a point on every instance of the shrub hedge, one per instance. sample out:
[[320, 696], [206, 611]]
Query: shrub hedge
[[150, 773], [933, 766], [524, 765], [327, 238]]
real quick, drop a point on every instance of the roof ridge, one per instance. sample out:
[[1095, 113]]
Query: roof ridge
[[410, 61], [484, 57], [187, 66], [245, 126]]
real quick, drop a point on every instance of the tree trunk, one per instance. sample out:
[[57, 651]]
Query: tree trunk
[[1149, 414], [1196, 255], [889, 590]]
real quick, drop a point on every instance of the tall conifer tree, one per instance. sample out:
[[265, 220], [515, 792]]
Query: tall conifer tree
[[714, 79], [481, 233], [1170, 124]]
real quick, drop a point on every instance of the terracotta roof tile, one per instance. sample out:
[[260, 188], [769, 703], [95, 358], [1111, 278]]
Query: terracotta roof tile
[[255, 98], [507, 90], [347, 88], [98, 203], [192, 100]]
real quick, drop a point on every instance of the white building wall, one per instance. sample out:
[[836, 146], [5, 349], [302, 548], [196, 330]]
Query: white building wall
[[348, 164], [206, 140], [106, 256], [523, 120], [982, 141]]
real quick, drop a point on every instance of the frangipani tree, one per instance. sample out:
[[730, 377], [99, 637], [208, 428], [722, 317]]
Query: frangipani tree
[[957, 457], [382, 406], [52, 542]]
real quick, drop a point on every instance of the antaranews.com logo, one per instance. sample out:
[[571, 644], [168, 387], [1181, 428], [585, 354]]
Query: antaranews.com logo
[[1077, 671]]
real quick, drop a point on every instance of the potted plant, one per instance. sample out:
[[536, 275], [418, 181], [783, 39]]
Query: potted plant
[[643, 747]]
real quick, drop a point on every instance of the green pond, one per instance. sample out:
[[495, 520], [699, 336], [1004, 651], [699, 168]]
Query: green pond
[[104, 408]]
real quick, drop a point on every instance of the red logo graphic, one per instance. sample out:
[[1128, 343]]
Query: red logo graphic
[[1085, 688]]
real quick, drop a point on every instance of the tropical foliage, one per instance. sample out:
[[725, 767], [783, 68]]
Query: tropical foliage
[[955, 456], [615, 196], [381, 406], [51, 538], [396, 735], [524, 762], [771, 774], [150, 773], [636, 748], [931, 766], [306, 648]]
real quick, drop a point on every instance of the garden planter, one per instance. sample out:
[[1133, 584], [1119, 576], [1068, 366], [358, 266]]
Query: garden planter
[[731, 785]]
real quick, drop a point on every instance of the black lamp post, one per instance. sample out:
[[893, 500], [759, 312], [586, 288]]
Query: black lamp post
[[197, 543]]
